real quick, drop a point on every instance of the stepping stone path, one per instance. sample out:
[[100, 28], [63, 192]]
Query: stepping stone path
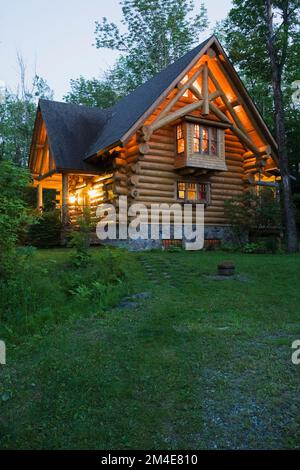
[[159, 271], [133, 301]]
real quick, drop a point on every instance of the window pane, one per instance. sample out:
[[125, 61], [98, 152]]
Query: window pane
[[204, 146], [202, 191], [197, 131], [180, 146], [196, 145], [205, 133], [179, 132], [213, 147], [192, 195], [192, 191], [181, 190], [205, 140], [213, 131]]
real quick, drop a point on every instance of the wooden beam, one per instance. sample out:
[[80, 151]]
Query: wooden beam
[[65, 191], [219, 113], [40, 197], [253, 112], [227, 103], [176, 115], [244, 138], [156, 103], [205, 111], [208, 122], [198, 95], [178, 95]]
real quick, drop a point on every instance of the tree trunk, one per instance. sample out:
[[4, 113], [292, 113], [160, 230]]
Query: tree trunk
[[276, 66]]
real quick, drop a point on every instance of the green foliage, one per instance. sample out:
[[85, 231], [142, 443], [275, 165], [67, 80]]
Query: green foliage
[[254, 247], [47, 288], [17, 115], [157, 32], [218, 352], [80, 239], [92, 92], [14, 214], [244, 35], [46, 230], [253, 213], [269, 245]]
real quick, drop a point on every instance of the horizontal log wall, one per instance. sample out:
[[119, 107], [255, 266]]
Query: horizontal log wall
[[91, 202], [152, 177]]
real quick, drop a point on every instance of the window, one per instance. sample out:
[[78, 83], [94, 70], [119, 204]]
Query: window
[[205, 140], [268, 192], [189, 191], [179, 139], [109, 191], [197, 138]]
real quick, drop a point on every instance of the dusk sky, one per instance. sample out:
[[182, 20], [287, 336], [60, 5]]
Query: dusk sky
[[55, 38]]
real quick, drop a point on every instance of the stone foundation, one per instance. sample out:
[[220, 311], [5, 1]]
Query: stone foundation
[[211, 232]]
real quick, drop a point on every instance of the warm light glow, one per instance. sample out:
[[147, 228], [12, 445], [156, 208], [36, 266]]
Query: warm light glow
[[198, 86], [72, 199], [92, 193]]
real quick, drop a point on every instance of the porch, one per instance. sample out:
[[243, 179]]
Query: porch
[[75, 192]]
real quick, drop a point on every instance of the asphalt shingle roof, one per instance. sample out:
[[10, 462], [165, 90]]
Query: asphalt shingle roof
[[70, 129], [77, 132], [129, 109]]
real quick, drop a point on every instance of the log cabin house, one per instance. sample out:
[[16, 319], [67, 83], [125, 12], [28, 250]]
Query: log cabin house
[[190, 134]]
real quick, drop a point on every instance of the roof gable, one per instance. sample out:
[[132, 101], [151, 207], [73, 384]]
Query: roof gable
[[71, 129], [132, 107], [76, 133]]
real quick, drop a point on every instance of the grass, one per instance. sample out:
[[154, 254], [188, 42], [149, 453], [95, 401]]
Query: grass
[[193, 362]]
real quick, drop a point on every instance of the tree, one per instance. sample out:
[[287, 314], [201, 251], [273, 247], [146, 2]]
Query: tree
[[17, 115], [157, 33], [14, 215], [92, 92], [262, 38], [277, 39]]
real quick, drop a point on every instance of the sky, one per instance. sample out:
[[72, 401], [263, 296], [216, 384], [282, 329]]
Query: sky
[[55, 38]]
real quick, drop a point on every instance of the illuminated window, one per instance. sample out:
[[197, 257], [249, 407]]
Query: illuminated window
[[109, 191], [181, 190], [180, 139], [205, 140], [196, 138], [213, 141], [193, 192]]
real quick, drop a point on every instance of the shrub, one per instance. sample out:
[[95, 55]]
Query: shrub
[[253, 213], [80, 239], [14, 214], [46, 231]]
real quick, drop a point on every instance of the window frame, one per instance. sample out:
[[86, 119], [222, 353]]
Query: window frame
[[109, 187], [198, 200], [198, 134], [182, 138]]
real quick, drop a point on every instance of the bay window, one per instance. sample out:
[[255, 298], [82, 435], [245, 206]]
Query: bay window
[[199, 144]]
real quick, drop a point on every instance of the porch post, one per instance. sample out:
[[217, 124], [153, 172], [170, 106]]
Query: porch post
[[65, 191], [40, 197]]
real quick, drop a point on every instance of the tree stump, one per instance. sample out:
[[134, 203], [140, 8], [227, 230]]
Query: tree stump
[[226, 269]]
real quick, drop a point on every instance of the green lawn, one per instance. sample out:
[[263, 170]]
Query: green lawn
[[194, 362]]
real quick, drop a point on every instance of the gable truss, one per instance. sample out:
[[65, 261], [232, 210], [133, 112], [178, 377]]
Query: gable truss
[[210, 97]]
